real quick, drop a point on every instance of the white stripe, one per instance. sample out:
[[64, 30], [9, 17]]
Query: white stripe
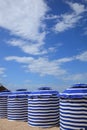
[[73, 124], [73, 100], [73, 93], [71, 112], [54, 119], [75, 120], [73, 104], [17, 116], [46, 123], [17, 112], [79, 116], [11, 119], [48, 114], [24, 108], [44, 117], [69, 127], [42, 112], [77, 88], [73, 108], [45, 99], [43, 105]]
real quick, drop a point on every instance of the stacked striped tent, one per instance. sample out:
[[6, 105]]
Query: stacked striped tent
[[73, 108], [3, 103], [43, 108], [18, 106]]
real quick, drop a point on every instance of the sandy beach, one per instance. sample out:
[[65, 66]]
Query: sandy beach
[[17, 125]]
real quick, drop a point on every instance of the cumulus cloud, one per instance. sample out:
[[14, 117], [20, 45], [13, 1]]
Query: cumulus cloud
[[64, 60], [51, 17], [24, 18], [79, 77], [85, 31], [2, 70], [77, 7], [43, 66], [82, 56], [69, 20], [29, 47], [2, 73]]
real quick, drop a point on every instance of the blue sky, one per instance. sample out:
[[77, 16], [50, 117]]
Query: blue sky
[[43, 43]]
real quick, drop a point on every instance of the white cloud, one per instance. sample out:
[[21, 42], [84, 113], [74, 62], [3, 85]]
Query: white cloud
[[82, 56], [2, 70], [19, 59], [46, 67], [2, 73], [51, 16], [80, 77], [77, 7], [29, 47], [43, 66], [85, 31], [23, 17], [64, 60], [69, 20], [32, 48]]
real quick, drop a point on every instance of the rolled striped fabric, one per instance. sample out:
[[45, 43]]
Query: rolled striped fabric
[[3, 104], [73, 108], [18, 106], [43, 108]]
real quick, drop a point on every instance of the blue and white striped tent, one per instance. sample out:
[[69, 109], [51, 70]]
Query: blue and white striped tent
[[3, 103], [73, 108], [43, 108], [18, 106]]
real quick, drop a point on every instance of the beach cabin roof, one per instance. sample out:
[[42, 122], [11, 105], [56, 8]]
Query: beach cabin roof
[[44, 88], [2, 88], [76, 91], [21, 89]]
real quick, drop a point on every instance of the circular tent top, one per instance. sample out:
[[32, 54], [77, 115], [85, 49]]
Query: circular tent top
[[44, 88], [41, 93], [76, 91], [21, 89], [21, 93], [5, 93], [2, 88]]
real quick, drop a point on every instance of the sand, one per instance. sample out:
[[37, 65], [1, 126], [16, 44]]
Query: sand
[[17, 125]]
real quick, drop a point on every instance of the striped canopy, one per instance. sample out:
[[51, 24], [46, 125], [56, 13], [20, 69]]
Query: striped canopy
[[43, 108], [44, 88], [73, 108], [19, 94], [3, 103], [18, 105], [76, 91], [5, 93], [43, 92]]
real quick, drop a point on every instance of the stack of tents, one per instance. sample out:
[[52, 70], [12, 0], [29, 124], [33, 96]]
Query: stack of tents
[[4, 92], [43, 108], [39, 108], [73, 108], [46, 107]]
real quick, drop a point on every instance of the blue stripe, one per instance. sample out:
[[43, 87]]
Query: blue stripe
[[3, 107], [42, 121], [66, 127], [42, 125], [18, 108], [44, 92], [77, 91]]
